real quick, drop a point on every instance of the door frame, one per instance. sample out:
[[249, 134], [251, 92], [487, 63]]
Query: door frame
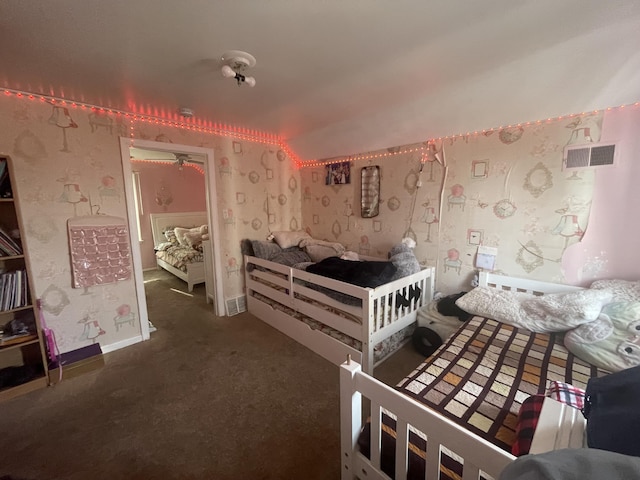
[[212, 214]]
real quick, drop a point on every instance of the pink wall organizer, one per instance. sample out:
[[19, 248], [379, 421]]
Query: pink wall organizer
[[100, 252]]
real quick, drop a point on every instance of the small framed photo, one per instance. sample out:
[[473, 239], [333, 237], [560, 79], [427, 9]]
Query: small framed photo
[[338, 173], [480, 169], [269, 174], [237, 147]]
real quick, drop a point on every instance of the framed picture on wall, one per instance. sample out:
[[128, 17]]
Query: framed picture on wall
[[338, 173]]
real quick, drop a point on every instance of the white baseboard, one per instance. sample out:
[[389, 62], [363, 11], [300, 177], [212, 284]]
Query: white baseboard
[[121, 344]]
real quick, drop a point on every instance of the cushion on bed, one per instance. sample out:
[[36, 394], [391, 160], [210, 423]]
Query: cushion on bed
[[193, 239], [555, 312], [170, 235], [182, 232], [611, 342], [566, 393], [317, 253], [318, 250], [364, 273], [289, 238]]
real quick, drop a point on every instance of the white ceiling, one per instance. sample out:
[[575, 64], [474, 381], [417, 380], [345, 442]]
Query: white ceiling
[[334, 77]]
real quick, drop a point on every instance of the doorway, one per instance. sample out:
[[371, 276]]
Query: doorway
[[212, 216]]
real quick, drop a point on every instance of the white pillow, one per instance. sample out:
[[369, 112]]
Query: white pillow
[[555, 312], [320, 252], [193, 239], [622, 290], [180, 234], [289, 239]]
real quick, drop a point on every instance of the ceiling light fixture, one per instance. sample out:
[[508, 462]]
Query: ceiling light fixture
[[235, 63]]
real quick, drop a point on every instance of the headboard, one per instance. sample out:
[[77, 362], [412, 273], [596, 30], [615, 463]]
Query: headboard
[[160, 222]]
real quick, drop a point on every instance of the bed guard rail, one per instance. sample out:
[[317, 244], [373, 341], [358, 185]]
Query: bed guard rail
[[478, 455]]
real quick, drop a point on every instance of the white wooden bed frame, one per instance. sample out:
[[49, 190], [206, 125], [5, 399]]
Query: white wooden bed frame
[[195, 273], [379, 316], [478, 454]]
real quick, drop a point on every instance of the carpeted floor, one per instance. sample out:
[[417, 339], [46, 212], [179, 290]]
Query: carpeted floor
[[205, 398]]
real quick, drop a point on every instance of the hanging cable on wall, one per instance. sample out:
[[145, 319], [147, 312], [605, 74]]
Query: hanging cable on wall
[[268, 211], [409, 231]]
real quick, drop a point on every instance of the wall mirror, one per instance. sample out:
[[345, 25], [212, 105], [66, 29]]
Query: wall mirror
[[370, 192]]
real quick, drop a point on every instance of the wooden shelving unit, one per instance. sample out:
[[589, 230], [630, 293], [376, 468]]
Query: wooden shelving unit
[[23, 359]]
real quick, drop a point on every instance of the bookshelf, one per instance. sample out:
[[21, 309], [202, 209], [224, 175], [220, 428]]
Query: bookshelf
[[23, 360]]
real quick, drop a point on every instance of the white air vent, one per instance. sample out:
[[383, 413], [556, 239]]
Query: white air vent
[[236, 305], [590, 155]]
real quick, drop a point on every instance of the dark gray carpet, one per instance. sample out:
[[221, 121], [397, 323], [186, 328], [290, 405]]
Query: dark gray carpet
[[205, 398]]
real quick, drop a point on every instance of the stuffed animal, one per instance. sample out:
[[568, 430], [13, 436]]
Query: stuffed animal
[[405, 261]]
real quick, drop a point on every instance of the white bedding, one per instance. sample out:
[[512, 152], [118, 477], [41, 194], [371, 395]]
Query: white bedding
[[555, 312]]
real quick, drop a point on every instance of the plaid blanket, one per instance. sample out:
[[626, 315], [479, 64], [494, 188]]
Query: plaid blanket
[[481, 376]]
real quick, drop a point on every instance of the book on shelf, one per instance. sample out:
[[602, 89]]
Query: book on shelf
[[13, 290], [5, 182], [8, 245]]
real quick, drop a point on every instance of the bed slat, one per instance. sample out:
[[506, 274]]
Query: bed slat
[[432, 468], [376, 417], [402, 451], [439, 430]]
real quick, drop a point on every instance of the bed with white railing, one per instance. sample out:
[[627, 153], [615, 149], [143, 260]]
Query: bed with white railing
[[184, 261], [302, 305], [396, 416]]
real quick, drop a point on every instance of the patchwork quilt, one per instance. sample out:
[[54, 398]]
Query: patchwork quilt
[[482, 374]]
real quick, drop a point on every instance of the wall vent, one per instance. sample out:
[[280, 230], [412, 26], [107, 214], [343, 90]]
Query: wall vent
[[590, 155], [236, 305]]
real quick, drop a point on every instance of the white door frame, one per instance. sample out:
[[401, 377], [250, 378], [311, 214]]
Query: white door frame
[[212, 212]]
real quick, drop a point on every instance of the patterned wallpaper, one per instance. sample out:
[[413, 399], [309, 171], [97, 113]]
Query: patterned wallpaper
[[504, 189], [68, 164]]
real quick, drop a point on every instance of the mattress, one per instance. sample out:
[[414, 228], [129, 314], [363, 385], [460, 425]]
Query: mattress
[[482, 374]]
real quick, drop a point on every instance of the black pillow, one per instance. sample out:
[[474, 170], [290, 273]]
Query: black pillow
[[364, 274]]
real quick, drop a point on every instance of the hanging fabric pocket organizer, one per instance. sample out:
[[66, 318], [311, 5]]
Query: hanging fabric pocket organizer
[[100, 251]]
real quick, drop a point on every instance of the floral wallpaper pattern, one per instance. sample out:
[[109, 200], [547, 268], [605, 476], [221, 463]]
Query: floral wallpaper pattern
[[67, 163], [504, 189]]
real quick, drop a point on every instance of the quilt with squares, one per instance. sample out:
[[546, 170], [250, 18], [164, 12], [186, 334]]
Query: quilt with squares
[[482, 374]]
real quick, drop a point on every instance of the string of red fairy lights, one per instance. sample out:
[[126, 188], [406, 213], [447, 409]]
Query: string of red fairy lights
[[209, 127], [425, 146], [241, 133]]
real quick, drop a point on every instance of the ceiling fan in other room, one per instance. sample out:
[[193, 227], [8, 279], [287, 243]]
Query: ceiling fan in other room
[[179, 159]]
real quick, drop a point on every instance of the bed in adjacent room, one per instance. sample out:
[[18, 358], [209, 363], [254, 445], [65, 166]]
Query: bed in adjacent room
[[177, 241], [336, 306], [461, 406]]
